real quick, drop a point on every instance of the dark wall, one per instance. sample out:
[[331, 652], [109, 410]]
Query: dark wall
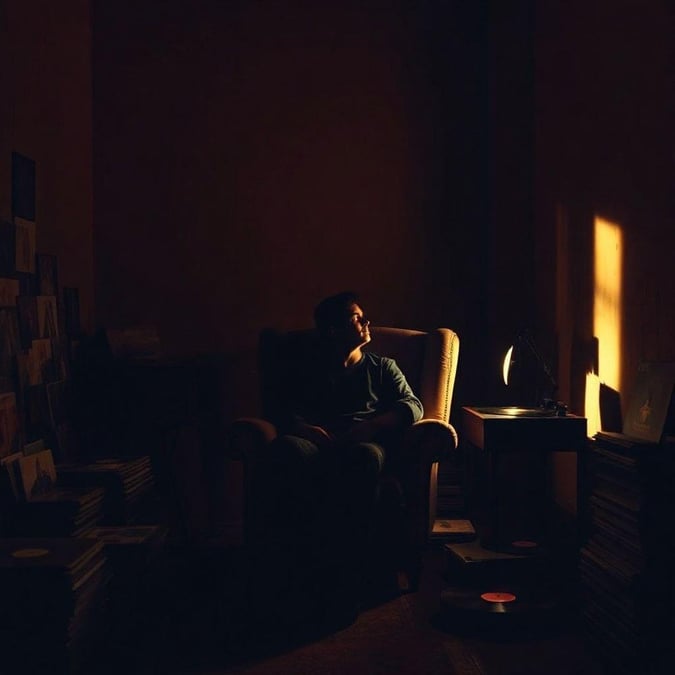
[[252, 157]]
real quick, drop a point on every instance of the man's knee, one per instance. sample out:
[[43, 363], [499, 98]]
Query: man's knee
[[369, 457]]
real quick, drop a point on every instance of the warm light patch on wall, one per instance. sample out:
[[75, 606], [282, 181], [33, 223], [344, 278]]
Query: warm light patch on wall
[[607, 309], [592, 404]]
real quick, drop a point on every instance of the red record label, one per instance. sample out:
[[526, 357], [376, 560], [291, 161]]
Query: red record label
[[498, 597], [524, 543]]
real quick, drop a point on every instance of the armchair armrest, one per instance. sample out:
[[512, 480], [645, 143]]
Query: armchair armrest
[[246, 439], [433, 440], [247, 436]]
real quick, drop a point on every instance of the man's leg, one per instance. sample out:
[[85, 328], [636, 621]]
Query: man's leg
[[354, 489], [359, 469], [285, 563], [294, 471], [408, 470]]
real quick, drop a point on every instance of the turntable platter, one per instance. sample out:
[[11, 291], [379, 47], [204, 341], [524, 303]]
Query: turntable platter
[[515, 411]]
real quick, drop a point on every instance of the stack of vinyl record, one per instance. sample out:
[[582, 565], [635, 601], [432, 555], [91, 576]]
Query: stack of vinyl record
[[626, 561], [133, 552], [471, 564], [60, 512], [126, 483], [450, 502], [52, 590], [129, 548]]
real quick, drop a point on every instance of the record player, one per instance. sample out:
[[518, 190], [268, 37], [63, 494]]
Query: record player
[[554, 409]]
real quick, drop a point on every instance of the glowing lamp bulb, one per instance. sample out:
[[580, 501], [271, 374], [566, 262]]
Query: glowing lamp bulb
[[506, 366]]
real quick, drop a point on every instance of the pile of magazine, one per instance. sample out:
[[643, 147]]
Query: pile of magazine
[[626, 515], [55, 588], [60, 512], [125, 481], [129, 548], [36, 505]]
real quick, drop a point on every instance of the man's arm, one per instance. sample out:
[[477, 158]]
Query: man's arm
[[404, 407], [405, 402], [369, 429]]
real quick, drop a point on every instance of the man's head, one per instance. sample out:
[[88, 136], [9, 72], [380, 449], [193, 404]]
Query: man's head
[[341, 319]]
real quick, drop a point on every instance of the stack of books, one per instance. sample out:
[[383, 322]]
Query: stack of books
[[134, 555], [627, 516], [450, 500], [470, 564], [126, 483], [628, 521], [59, 512], [129, 548], [53, 590], [453, 529], [35, 505]]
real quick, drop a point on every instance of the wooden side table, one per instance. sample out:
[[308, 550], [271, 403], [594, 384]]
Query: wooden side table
[[508, 476]]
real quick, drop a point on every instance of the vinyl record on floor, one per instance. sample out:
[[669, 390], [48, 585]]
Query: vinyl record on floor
[[524, 545], [498, 597], [499, 600], [499, 606]]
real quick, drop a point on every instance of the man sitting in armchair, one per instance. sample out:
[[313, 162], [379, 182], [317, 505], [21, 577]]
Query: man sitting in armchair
[[343, 416]]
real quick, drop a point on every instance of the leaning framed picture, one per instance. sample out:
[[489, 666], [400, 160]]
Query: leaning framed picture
[[25, 245], [38, 474], [47, 277], [9, 424]]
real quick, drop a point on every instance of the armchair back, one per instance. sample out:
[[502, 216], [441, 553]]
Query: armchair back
[[428, 360]]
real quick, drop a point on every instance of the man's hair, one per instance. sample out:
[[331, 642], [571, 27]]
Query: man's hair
[[334, 310]]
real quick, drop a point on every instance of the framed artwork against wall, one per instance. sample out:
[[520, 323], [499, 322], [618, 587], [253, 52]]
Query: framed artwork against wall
[[29, 327], [9, 424], [7, 248], [25, 245], [9, 291], [38, 474], [47, 278], [47, 316], [9, 347], [23, 186]]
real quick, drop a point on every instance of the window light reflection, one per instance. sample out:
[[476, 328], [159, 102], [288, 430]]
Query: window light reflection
[[607, 310]]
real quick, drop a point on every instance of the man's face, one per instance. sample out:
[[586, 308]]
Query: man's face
[[357, 331]]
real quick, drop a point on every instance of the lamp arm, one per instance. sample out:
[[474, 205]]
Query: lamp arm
[[527, 340]]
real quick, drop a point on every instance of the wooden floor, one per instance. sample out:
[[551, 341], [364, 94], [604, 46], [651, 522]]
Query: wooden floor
[[198, 622]]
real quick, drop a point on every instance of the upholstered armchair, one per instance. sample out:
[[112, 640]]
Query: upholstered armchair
[[429, 362]]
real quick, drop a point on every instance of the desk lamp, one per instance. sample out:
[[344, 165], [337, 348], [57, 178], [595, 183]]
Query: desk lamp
[[525, 368]]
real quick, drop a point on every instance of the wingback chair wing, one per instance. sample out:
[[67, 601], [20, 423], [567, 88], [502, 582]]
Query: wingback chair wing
[[429, 361]]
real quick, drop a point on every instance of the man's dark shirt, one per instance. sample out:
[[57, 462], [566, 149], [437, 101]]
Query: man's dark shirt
[[336, 398]]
